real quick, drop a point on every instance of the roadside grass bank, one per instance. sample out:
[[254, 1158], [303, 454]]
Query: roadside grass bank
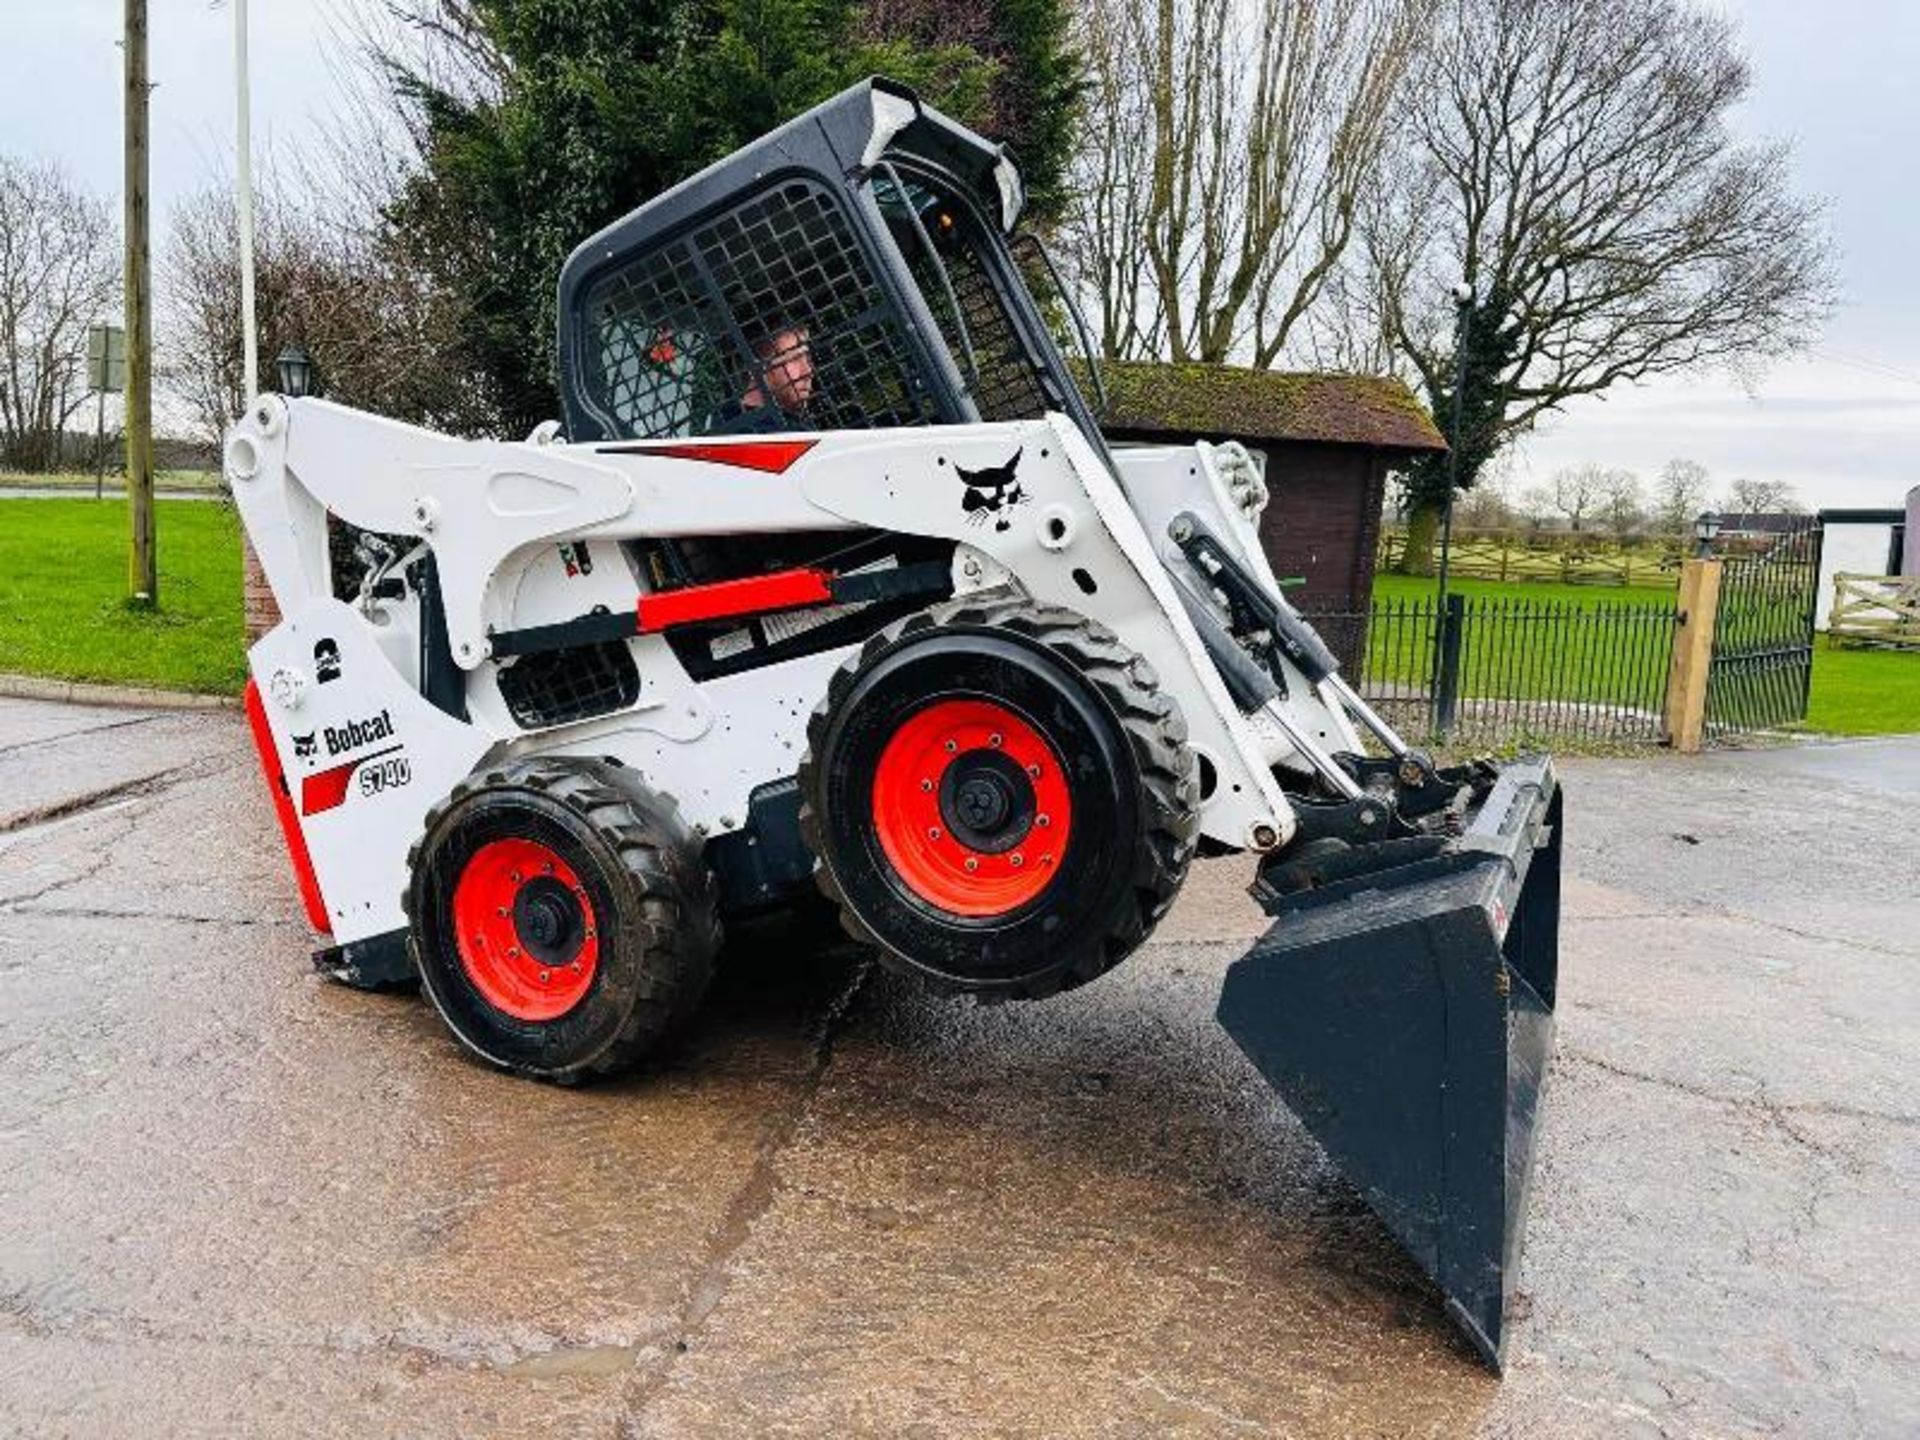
[[63, 612]]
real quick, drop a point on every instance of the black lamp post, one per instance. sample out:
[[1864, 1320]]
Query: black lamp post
[[296, 372], [1444, 638], [1705, 527]]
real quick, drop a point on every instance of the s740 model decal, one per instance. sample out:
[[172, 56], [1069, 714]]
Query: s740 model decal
[[327, 789]]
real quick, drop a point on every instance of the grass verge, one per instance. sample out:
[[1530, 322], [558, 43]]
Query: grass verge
[[63, 582]]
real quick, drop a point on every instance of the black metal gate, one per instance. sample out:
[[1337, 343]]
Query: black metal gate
[[1763, 639]]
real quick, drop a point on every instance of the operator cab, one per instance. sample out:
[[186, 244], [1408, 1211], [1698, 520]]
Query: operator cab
[[850, 270]]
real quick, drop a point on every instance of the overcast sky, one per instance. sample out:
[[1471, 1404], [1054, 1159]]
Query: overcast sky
[[1839, 78]]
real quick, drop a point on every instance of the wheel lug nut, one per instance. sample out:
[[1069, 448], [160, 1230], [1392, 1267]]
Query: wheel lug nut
[[513, 952], [503, 912], [926, 784], [994, 741], [576, 967], [545, 976], [952, 745], [1016, 860], [514, 876], [587, 935], [933, 832], [1043, 821], [1034, 771], [972, 864], [1046, 859], [546, 867]]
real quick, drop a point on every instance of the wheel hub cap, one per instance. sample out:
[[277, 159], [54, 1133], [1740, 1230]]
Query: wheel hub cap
[[971, 807], [524, 927]]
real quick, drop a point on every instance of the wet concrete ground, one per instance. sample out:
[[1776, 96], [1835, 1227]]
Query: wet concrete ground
[[237, 1200]]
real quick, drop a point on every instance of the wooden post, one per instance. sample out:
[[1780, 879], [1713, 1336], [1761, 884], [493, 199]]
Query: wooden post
[[1699, 602], [143, 576]]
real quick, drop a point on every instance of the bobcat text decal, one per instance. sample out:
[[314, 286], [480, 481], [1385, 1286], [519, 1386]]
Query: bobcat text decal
[[383, 769]]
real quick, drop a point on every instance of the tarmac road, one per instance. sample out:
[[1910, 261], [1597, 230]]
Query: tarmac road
[[237, 1200]]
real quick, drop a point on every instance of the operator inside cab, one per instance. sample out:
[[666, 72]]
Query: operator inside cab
[[778, 393]]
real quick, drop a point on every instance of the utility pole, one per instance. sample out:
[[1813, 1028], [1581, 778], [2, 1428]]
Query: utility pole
[[243, 179], [143, 576]]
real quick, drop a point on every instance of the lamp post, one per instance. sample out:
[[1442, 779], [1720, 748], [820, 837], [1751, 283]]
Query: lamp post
[[295, 367], [1446, 640], [1705, 527], [1462, 318], [243, 197]]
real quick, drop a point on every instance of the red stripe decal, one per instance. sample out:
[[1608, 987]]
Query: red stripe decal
[[773, 457], [327, 789], [283, 809], [782, 590]]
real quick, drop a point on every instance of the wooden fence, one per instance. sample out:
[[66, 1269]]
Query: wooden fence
[[1875, 610], [1565, 559]]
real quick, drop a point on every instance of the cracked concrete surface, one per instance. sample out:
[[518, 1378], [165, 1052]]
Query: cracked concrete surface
[[237, 1200]]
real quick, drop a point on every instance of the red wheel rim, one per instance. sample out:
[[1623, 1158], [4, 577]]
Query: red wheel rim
[[957, 760], [525, 929]]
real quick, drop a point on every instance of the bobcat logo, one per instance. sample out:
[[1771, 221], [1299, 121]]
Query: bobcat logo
[[992, 492], [305, 745]]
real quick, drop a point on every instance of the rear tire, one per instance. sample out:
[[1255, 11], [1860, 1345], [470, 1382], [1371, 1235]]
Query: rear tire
[[1001, 798], [560, 917]]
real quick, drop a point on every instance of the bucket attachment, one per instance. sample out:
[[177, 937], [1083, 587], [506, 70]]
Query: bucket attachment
[[1406, 1016]]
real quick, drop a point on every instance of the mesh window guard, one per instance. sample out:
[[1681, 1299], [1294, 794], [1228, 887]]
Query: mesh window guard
[[1006, 383], [767, 317]]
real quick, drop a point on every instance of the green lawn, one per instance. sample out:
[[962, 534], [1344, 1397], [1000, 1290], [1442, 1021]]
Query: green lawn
[[63, 578], [1864, 692], [1411, 587]]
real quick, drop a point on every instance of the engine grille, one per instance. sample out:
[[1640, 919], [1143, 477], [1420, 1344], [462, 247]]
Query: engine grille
[[563, 686]]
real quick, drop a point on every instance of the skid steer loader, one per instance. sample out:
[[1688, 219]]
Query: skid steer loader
[[827, 578]]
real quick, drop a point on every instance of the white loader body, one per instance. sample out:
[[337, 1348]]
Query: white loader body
[[507, 524]]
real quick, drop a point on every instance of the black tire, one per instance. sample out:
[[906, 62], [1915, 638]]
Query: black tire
[[1130, 778], [646, 903]]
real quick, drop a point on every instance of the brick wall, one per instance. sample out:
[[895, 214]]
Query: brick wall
[[1322, 527], [256, 598]]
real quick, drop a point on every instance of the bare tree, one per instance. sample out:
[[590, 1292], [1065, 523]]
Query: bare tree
[[1577, 493], [59, 273], [1763, 497], [1622, 507], [1229, 145], [1680, 496], [1575, 164], [379, 333]]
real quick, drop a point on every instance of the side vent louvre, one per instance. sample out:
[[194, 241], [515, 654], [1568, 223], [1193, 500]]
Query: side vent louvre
[[564, 686]]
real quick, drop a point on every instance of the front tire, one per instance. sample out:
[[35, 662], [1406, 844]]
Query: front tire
[[560, 917], [1001, 798]]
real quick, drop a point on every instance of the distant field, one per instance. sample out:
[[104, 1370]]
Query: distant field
[[63, 576]]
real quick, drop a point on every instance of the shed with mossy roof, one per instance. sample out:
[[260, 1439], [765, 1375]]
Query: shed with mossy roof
[[1328, 442]]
